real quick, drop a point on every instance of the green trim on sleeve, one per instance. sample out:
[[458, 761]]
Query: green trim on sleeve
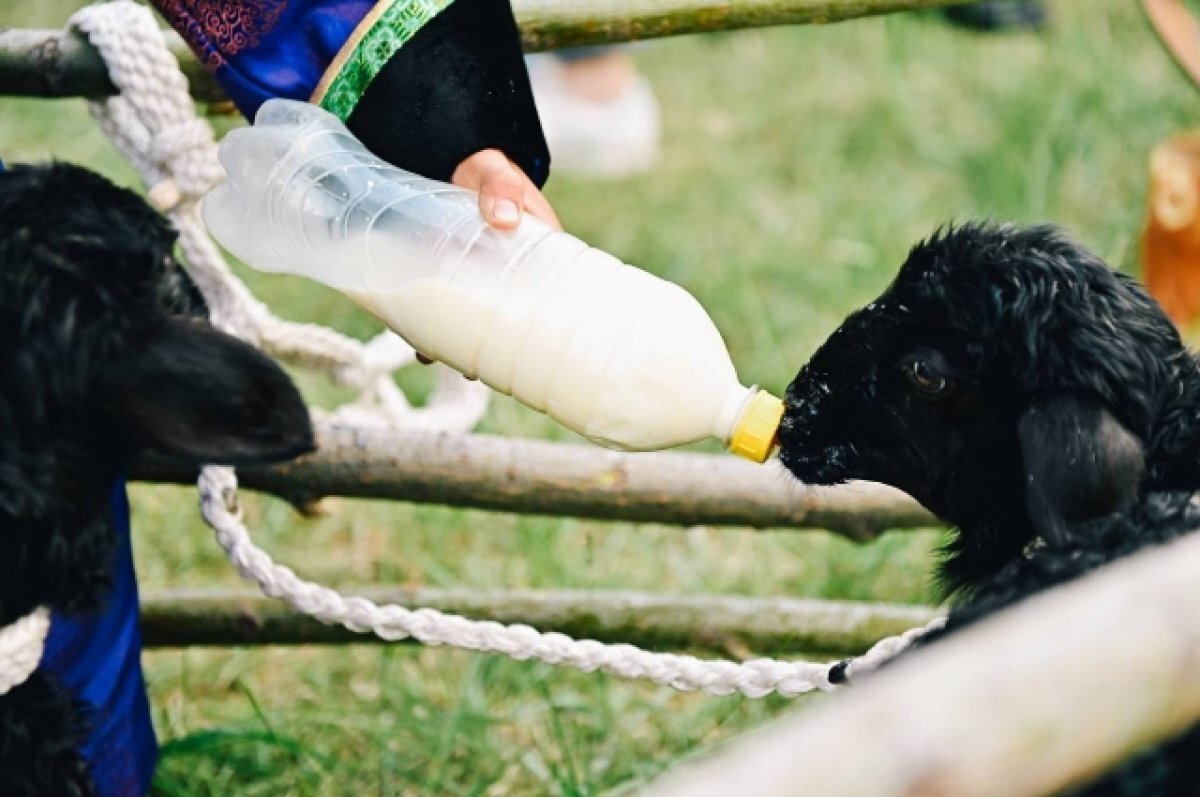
[[387, 28]]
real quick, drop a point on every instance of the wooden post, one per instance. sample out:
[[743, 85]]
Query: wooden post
[[54, 63], [1040, 698], [181, 618], [542, 478]]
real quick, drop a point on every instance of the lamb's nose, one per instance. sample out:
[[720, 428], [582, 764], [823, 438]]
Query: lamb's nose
[[796, 423]]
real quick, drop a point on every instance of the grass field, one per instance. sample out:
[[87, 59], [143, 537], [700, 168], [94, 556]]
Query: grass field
[[800, 165]]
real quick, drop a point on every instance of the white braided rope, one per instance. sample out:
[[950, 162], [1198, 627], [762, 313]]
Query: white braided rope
[[887, 649], [754, 678], [153, 123]]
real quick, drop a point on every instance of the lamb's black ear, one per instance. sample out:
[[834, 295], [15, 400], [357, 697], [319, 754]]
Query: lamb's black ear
[[1080, 463], [207, 397]]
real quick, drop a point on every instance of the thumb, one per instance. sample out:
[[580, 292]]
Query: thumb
[[505, 192]]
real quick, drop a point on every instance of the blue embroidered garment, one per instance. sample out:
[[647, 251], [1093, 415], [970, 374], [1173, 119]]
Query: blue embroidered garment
[[98, 658], [259, 49], [422, 83]]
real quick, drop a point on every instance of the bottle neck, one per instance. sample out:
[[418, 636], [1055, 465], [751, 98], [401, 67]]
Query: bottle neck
[[732, 410]]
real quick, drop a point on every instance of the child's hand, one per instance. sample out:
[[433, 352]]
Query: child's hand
[[504, 190]]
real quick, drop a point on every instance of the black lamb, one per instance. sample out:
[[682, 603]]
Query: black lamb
[[1033, 398], [105, 350]]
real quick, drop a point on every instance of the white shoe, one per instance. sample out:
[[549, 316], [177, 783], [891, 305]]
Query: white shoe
[[616, 138]]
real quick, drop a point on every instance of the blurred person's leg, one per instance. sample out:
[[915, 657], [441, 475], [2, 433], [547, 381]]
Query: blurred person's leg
[[600, 117], [999, 15]]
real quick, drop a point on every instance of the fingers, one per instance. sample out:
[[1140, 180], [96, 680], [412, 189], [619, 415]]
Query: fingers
[[505, 193], [502, 199]]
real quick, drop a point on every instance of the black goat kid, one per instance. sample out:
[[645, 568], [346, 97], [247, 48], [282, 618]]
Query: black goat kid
[[1033, 398], [104, 351]]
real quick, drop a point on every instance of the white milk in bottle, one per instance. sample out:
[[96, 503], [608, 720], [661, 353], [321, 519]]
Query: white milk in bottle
[[619, 355]]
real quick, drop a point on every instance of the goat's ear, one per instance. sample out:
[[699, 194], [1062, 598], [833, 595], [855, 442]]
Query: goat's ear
[[1080, 463], [206, 397]]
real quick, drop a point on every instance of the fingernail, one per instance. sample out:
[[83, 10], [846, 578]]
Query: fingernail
[[506, 210]]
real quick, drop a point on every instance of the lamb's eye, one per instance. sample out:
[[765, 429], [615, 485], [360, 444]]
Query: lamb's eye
[[923, 376], [928, 374]]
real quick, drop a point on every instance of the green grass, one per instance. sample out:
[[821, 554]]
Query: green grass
[[800, 165]]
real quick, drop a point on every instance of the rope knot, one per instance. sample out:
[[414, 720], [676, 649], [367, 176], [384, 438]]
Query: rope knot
[[185, 153], [178, 139]]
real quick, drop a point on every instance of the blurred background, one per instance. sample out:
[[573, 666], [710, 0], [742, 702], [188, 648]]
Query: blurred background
[[797, 167]]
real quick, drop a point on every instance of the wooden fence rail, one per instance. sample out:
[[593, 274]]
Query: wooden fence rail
[[1033, 701], [181, 618], [542, 478], [54, 63]]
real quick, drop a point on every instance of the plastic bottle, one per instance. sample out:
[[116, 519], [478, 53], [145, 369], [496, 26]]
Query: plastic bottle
[[619, 355]]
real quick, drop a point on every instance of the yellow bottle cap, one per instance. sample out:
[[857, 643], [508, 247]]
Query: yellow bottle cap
[[754, 435]]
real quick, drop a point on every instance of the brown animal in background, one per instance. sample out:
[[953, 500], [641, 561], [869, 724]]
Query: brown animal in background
[[1171, 238]]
